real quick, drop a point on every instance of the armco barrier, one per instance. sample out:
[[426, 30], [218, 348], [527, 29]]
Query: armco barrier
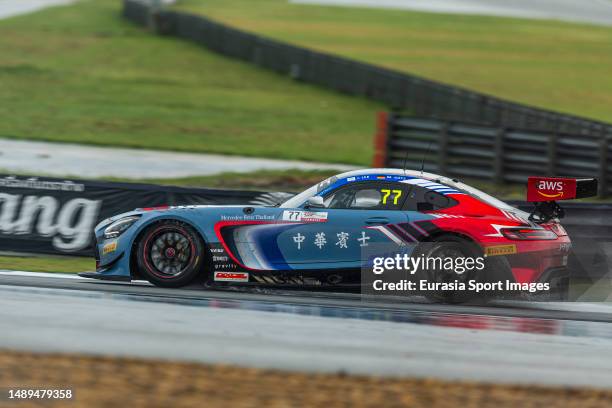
[[491, 153], [57, 216], [398, 90]]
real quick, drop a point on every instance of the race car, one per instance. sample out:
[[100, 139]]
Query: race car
[[318, 238]]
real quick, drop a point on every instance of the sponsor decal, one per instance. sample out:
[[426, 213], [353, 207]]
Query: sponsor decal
[[320, 240], [110, 247], [498, 250], [549, 189], [36, 184], [225, 266], [69, 224], [304, 216], [342, 239], [363, 239], [256, 217], [231, 277], [298, 239], [220, 258]]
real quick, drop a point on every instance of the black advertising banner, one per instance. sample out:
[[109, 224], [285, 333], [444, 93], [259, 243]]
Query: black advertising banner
[[57, 216]]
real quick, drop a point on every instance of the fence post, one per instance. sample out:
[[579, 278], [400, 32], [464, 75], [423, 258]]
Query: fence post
[[498, 160], [380, 139], [443, 148], [603, 165]]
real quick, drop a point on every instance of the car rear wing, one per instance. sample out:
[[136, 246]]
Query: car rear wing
[[544, 192]]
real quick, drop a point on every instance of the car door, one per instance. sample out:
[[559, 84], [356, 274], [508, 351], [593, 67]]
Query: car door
[[356, 216]]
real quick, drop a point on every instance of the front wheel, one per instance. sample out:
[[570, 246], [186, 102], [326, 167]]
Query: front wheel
[[170, 254]]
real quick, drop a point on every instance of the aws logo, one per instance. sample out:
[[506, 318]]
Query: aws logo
[[550, 189], [554, 189]]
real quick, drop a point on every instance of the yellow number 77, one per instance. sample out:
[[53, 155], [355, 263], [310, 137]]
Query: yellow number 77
[[387, 193]]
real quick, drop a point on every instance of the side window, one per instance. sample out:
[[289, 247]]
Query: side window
[[422, 199], [368, 196]]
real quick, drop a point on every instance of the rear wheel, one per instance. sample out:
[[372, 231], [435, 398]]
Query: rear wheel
[[170, 254], [449, 247]]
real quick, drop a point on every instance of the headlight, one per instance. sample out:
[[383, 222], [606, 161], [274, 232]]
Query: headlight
[[118, 227]]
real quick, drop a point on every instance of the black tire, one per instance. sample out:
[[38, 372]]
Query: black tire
[[170, 254], [449, 246]]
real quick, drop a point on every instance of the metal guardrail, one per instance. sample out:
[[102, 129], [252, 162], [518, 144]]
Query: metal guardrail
[[398, 90], [496, 154]]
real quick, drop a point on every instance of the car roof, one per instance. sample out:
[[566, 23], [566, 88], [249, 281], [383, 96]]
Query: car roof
[[389, 171]]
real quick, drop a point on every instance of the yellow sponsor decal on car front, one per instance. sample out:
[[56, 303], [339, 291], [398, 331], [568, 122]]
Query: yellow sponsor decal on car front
[[110, 247], [500, 250]]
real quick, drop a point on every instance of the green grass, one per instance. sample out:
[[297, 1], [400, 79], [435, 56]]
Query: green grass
[[560, 66], [83, 74], [66, 264]]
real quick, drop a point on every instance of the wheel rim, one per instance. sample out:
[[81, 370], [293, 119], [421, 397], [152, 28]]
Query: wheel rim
[[170, 253], [443, 275]]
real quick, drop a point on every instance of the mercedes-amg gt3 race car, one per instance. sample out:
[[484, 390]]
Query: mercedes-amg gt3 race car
[[319, 237]]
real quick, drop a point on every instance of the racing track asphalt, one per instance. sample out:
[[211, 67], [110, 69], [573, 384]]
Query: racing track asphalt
[[583, 11], [10, 8], [66, 159], [553, 344]]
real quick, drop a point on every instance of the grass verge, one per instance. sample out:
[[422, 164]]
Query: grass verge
[[551, 64], [82, 73], [35, 263], [109, 381]]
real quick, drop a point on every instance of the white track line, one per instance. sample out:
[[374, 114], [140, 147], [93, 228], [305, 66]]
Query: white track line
[[4, 272], [40, 274]]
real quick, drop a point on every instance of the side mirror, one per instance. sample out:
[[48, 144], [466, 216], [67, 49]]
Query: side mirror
[[315, 202]]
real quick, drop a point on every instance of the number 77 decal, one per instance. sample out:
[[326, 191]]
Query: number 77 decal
[[387, 193]]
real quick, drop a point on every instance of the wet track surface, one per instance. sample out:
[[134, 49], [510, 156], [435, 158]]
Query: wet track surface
[[583, 11], [61, 159], [300, 302], [10, 8], [547, 343]]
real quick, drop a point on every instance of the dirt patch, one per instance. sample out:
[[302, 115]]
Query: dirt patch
[[121, 382]]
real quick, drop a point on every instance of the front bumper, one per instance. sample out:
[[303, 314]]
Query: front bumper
[[111, 265]]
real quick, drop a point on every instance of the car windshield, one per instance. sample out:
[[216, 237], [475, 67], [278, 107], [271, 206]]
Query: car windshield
[[298, 200]]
